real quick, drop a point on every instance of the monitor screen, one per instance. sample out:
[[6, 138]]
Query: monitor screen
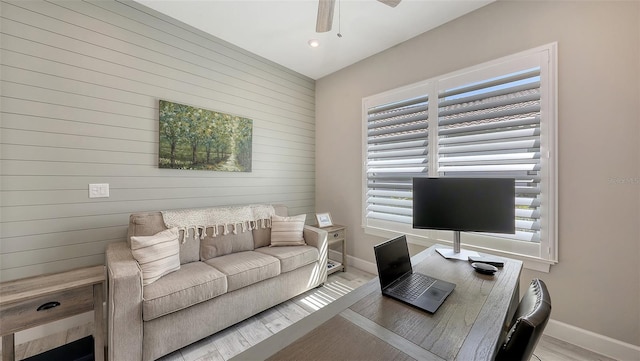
[[464, 204]]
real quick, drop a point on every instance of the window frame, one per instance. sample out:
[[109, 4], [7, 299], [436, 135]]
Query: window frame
[[537, 256]]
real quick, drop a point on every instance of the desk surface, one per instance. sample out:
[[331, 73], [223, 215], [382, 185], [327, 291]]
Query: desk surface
[[468, 326]]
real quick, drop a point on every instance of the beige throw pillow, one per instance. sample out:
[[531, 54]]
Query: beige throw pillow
[[287, 231], [157, 255]]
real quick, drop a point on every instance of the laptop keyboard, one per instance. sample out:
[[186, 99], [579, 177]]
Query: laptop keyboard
[[413, 286]]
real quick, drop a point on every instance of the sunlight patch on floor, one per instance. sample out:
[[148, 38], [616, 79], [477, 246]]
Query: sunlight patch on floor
[[320, 298], [339, 288]]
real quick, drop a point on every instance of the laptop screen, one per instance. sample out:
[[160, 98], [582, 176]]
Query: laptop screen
[[392, 259]]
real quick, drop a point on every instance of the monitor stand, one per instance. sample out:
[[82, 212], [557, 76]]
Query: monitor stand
[[456, 252]]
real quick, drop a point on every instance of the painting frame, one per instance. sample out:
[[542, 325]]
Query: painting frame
[[193, 138]]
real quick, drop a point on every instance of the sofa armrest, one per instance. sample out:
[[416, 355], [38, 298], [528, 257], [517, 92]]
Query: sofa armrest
[[318, 238], [125, 303]]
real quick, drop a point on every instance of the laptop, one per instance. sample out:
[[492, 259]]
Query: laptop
[[398, 280]]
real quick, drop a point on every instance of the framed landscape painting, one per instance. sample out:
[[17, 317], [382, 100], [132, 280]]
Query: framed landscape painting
[[194, 138]]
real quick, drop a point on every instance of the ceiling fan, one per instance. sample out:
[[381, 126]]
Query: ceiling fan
[[325, 13]]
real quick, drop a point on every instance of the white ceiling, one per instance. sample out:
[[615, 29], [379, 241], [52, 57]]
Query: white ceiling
[[279, 30]]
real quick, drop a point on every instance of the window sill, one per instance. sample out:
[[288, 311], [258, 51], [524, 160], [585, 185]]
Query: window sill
[[427, 238]]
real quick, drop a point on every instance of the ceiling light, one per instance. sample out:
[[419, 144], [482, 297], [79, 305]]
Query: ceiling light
[[314, 43]]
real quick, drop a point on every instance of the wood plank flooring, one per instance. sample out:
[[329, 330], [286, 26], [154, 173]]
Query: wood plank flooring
[[225, 344], [551, 349]]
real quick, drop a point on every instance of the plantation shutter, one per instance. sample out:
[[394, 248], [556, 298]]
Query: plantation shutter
[[397, 151], [492, 129]]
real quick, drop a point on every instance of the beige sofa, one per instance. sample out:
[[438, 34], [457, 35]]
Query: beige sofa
[[222, 280]]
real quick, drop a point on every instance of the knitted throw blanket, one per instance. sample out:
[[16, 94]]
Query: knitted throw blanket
[[232, 219]]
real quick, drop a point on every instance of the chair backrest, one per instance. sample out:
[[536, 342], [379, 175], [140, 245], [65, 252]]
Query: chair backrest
[[527, 325]]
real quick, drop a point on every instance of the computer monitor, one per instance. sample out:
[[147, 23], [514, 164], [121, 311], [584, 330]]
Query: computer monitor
[[464, 204]]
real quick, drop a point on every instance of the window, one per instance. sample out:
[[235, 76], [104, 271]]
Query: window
[[492, 120]]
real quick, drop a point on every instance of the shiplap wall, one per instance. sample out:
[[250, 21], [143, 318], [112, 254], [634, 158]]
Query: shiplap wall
[[80, 85]]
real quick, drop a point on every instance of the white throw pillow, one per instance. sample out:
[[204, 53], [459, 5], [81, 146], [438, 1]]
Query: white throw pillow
[[287, 231], [157, 255]]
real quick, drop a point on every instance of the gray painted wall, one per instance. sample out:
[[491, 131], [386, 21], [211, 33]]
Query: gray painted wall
[[596, 284], [80, 85]]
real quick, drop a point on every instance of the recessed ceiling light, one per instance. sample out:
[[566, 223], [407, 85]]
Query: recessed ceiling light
[[314, 43]]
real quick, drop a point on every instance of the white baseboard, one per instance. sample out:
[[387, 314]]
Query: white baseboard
[[592, 341], [355, 262], [574, 335], [362, 265]]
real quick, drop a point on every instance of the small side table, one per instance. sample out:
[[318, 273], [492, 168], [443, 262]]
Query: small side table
[[338, 235], [30, 302]]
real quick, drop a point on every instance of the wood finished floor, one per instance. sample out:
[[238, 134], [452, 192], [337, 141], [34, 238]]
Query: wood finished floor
[[230, 342]]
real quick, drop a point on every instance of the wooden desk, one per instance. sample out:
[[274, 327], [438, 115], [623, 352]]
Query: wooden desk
[[468, 326], [34, 301]]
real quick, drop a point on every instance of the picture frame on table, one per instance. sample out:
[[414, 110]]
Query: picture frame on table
[[324, 219]]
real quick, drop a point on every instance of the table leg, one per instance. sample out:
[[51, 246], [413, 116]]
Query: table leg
[[98, 332], [8, 348]]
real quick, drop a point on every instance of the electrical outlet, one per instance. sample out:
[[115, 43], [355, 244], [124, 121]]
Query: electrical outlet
[[99, 190]]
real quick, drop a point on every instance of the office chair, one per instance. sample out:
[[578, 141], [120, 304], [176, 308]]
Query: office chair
[[527, 325]]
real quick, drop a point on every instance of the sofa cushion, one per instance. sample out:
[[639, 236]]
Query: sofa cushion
[[223, 244], [245, 268], [150, 223], [292, 257], [287, 231], [195, 282], [157, 255]]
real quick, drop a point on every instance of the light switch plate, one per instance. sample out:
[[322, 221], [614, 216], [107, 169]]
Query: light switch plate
[[99, 190]]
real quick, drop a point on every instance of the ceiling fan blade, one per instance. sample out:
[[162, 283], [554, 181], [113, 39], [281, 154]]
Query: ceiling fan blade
[[392, 3], [325, 15]]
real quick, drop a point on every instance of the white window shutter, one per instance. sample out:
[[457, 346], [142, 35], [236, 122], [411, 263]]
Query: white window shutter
[[397, 151], [492, 129]]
